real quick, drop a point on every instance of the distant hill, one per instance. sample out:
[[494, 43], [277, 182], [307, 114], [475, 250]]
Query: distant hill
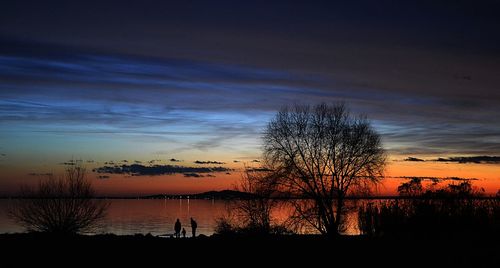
[[222, 195]]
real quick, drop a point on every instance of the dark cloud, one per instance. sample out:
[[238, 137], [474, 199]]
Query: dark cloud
[[90, 161], [236, 161], [459, 159], [72, 162], [174, 160], [141, 170], [137, 162], [197, 175], [124, 161], [413, 159], [208, 162], [259, 169], [40, 174], [470, 159], [193, 175], [437, 179], [256, 161]]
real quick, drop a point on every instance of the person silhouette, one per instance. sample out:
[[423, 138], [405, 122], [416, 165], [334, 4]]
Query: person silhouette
[[183, 233], [177, 228], [194, 225]]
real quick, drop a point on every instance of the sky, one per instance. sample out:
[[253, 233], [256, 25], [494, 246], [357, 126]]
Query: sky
[[170, 83]]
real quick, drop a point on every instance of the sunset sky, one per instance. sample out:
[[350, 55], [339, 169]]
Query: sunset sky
[[169, 83]]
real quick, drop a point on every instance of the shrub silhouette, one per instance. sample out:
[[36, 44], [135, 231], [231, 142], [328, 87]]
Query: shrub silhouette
[[59, 205], [457, 209], [253, 215]]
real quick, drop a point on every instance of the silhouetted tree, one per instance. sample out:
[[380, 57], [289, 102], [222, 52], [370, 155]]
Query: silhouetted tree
[[412, 188], [323, 154], [59, 205], [464, 189]]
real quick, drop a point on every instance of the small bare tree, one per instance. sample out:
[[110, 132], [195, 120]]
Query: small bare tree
[[324, 154], [256, 210], [63, 205], [252, 214]]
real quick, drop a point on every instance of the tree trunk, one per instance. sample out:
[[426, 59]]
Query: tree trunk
[[338, 216]]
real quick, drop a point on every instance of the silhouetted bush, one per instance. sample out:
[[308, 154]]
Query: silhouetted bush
[[59, 205], [457, 210], [224, 227], [233, 226]]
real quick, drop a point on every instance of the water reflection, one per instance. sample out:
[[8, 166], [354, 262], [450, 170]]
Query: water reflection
[[157, 216]]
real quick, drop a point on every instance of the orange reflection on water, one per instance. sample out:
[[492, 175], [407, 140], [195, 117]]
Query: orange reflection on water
[[157, 216]]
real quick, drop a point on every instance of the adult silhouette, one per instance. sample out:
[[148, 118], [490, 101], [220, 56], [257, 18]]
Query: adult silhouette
[[177, 228], [194, 225]]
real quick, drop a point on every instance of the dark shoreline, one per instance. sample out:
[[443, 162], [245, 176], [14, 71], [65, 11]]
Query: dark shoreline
[[261, 250], [191, 197]]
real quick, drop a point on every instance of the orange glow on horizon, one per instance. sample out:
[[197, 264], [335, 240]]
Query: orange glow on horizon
[[487, 175]]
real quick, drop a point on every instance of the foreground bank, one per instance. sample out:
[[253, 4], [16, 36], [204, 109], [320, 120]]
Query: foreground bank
[[255, 251]]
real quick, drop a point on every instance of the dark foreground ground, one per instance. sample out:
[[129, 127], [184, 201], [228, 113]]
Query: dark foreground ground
[[280, 251]]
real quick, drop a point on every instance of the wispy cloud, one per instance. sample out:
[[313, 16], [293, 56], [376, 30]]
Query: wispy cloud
[[205, 104]]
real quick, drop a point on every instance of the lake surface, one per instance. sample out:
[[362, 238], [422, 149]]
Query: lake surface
[[157, 216]]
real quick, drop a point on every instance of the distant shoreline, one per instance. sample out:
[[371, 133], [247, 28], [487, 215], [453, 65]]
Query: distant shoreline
[[237, 195]]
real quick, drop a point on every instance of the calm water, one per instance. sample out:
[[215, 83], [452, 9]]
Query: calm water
[[156, 216]]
